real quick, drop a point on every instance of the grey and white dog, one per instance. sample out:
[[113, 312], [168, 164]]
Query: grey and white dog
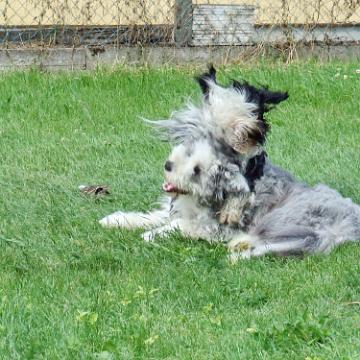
[[221, 186]]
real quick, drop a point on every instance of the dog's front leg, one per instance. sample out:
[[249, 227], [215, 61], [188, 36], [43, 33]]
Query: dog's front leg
[[161, 231], [133, 220], [233, 208], [234, 184]]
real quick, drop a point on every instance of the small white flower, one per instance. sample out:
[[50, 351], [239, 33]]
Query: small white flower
[[151, 340]]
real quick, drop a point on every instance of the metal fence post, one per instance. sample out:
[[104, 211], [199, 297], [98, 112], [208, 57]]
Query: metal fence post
[[183, 22]]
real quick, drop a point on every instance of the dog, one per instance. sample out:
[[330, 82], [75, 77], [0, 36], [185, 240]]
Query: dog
[[222, 187]]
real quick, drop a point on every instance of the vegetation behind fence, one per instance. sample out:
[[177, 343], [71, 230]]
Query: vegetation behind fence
[[177, 22]]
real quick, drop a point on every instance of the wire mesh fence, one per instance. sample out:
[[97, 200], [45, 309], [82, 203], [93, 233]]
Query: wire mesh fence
[[75, 23]]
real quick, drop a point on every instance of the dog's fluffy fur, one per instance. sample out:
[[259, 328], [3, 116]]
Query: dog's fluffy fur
[[222, 187], [198, 182]]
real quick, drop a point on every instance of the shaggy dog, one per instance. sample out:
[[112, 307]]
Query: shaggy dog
[[221, 186]]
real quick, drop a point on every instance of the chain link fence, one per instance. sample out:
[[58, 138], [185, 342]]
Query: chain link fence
[[98, 23]]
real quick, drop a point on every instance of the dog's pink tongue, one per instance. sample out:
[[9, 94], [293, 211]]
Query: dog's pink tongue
[[168, 187]]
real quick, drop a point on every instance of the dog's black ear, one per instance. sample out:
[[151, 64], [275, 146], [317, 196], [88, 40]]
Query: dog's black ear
[[273, 97], [204, 79], [265, 100], [260, 96], [263, 97]]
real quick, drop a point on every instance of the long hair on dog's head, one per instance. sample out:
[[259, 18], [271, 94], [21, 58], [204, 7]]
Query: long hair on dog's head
[[232, 115]]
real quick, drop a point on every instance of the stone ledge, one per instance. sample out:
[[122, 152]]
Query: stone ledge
[[59, 58], [81, 59]]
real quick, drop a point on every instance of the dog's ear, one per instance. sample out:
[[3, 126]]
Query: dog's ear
[[247, 135], [205, 79], [262, 97], [272, 97], [264, 100]]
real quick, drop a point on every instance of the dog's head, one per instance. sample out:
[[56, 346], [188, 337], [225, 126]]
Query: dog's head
[[187, 168], [197, 169]]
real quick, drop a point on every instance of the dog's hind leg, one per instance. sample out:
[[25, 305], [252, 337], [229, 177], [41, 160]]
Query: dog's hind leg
[[298, 242], [261, 250]]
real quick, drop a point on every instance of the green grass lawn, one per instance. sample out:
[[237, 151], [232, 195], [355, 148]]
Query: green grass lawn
[[70, 289]]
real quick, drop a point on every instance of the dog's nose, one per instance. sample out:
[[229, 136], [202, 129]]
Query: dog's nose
[[168, 165]]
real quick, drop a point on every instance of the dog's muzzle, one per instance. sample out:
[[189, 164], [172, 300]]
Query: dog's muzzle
[[172, 189]]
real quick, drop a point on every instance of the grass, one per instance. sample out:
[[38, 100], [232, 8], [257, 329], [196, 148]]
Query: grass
[[72, 290]]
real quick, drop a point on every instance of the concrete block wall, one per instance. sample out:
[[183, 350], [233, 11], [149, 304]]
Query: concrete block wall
[[223, 25]]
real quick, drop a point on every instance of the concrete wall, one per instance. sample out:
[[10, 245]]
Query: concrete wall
[[85, 59], [124, 12]]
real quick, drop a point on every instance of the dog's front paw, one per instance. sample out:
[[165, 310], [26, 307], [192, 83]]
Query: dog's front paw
[[117, 219], [233, 210], [230, 217], [148, 236]]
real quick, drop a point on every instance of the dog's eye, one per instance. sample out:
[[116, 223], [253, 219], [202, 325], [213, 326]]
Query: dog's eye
[[197, 170]]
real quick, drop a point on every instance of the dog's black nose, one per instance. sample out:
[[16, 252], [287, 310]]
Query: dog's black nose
[[168, 165]]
